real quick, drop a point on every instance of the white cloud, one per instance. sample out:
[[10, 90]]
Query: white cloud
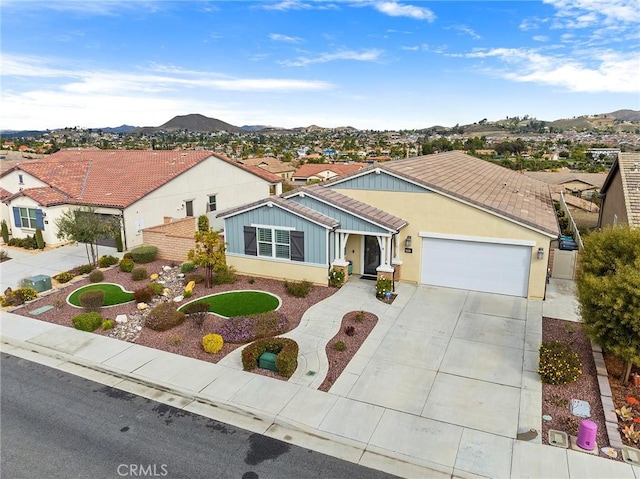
[[415, 48], [465, 29], [587, 13], [277, 37], [87, 8], [364, 56], [604, 71], [395, 9], [540, 38]]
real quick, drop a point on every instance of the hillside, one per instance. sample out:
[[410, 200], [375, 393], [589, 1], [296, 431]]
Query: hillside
[[193, 122]]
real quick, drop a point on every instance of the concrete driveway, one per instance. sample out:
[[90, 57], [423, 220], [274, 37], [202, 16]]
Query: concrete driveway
[[461, 364]]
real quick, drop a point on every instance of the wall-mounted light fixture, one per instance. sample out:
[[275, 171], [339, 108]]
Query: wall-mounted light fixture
[[540, 253], [407, 242]]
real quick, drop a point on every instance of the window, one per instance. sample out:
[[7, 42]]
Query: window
[[212, 206], [28, 218], [20, 180], [273, 243], [189, 206]]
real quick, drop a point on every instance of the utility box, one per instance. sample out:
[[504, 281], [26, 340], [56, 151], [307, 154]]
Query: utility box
[[267, 361], [39, 282], [350, 268]]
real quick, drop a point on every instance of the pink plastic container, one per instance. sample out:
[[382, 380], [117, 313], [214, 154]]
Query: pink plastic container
[[587, 435]]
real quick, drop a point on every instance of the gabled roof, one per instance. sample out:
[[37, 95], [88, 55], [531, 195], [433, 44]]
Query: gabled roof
[[560, 178], [284, 204], [43, 195], [272, 165], [629, 166], [115, 178], [311, 169], [478, 182], [352, 206]]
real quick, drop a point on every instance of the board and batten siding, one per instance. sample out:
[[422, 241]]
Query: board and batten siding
[[379, 182], [348, 221], [315, 236]]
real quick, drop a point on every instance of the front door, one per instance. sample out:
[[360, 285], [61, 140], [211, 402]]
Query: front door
[[371, 255]]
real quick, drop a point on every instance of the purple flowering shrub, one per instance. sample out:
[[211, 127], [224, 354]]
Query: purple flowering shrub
[[244, 329]]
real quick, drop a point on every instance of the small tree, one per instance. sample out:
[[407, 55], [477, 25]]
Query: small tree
[[39, 238], [609, 293], [84, 225], [5, 231], [208, 253], [203, 223]]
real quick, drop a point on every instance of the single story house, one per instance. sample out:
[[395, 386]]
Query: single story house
[[447, 219], [285, 170], [313, 172], [582, 185], [141, 187], [621, 193]]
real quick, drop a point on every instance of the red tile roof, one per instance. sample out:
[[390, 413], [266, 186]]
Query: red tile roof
[[114, 178]]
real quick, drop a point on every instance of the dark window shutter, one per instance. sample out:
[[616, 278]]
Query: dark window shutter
[[16, 217], [39, 220], [250, 241], [297, 245]]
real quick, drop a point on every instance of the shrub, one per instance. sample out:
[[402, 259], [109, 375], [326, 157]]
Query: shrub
[[195, 277], [5, 231], [176, 339], [96, 276], [558, 363], [119, 245], [299, 289], [29, 242], [212, 343], [285, 349], [383, 286], [143, 295], [107, 260], [127, 255], [187, 267], [198, 311], [138, 274], [203, 223], [126, 265], [107, 324], [243, 329], [85, 269], [18, 296], [164, 317], [349, 330], [339, 346], [92, 300], [39, 239], [144, 254], [359, 317], [251, 280], [64, 277], [156, 288], [336, 278], [87, 321], [225, 275]]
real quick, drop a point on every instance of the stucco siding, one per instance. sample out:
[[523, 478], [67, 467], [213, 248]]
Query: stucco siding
[[435, 213], [348, 222], [253, 266], [379, 182], [315, 236]]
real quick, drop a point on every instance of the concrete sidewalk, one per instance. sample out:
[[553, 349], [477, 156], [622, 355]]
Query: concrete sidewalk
[[439, 389]]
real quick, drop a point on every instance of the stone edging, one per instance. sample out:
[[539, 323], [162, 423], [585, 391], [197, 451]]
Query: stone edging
[[610, 416]]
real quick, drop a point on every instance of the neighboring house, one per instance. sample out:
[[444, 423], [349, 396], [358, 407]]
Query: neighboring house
[[139, 186], [272, 165], [621, 193], [314, 172], [582, 185], [447, 219]]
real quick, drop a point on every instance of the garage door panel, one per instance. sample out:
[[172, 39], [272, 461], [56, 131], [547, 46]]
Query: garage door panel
[[477, 266]]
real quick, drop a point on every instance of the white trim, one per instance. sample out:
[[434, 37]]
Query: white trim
[[364, 233], [272, 227], [477, 239]]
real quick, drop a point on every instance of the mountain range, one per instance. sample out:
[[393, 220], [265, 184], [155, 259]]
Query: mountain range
[[619, 120]]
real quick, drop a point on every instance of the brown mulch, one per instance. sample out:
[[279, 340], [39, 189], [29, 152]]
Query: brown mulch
[[556, 398], [338, 360], [620, 393]]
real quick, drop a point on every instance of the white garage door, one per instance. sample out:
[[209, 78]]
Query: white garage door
[[477, 266]]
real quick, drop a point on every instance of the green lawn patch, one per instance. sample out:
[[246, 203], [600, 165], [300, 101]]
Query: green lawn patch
[[113, 294], [240, 303]]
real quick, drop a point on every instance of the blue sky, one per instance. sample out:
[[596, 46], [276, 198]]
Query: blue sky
[[368, 64]]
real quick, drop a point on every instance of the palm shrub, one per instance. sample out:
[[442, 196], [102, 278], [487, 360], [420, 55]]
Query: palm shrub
[[558, 363], [92, 300], [164, 317], [87, 321]]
